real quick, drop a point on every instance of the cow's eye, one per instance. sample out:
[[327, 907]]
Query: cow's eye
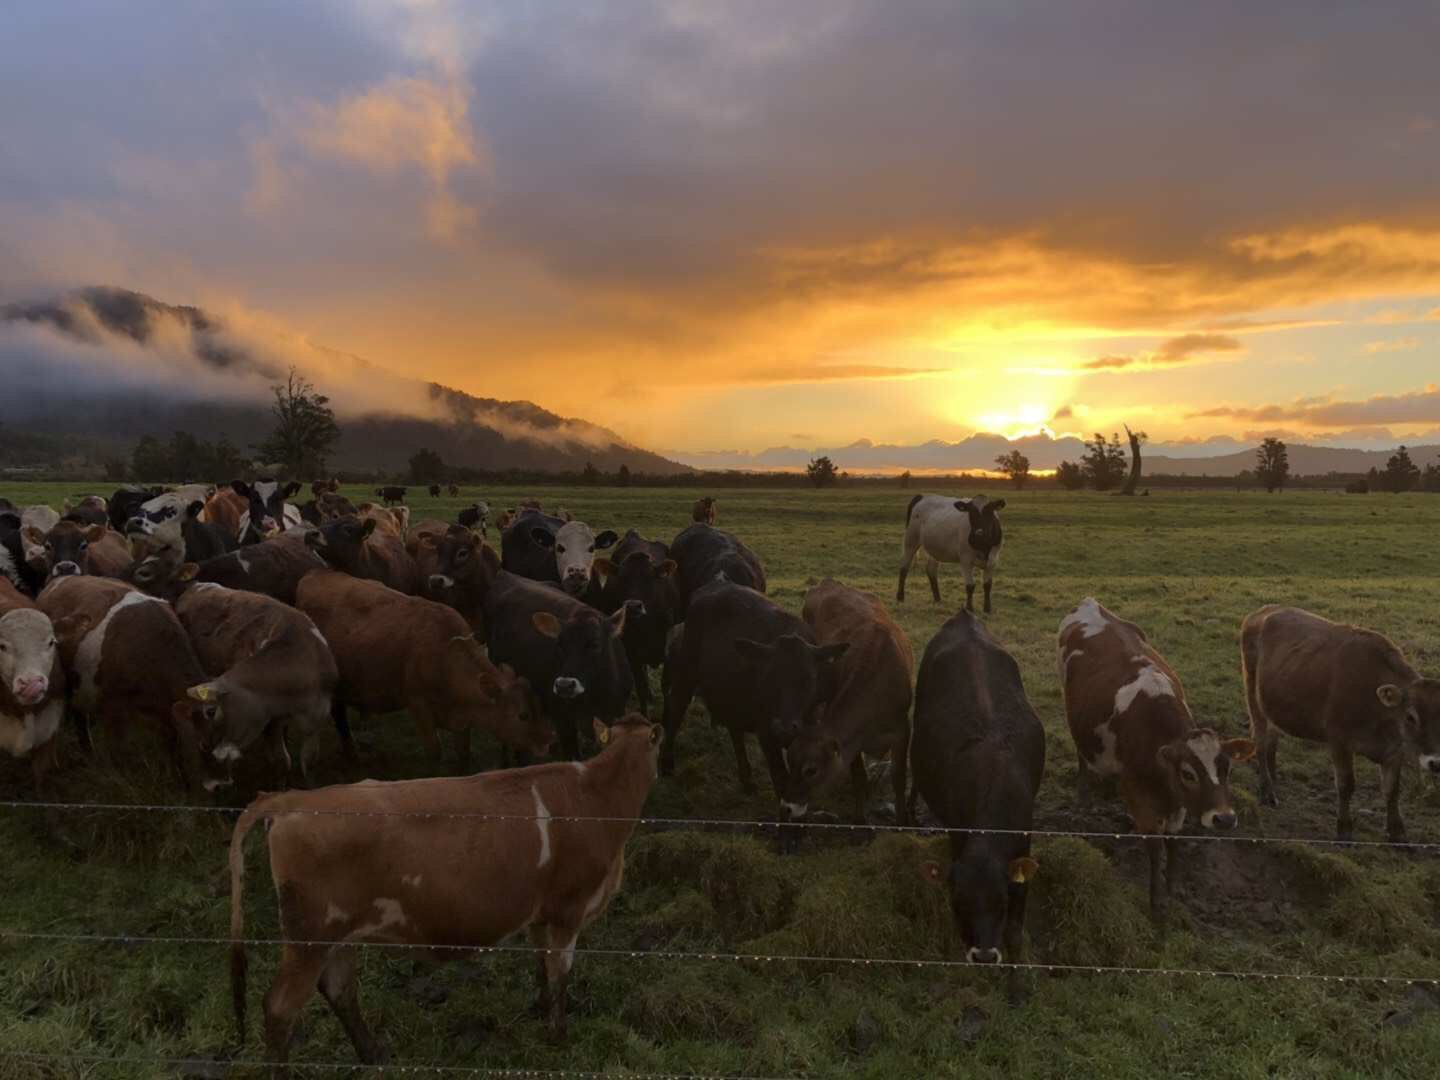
[[810, 772], [592, 549], [1188, 775], [559, 549], [462, 554], [83, 545]]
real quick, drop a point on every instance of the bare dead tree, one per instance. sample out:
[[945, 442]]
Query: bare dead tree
[[1136, 439]]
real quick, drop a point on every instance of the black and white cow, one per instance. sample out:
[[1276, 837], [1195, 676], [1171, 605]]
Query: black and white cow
[[545, 548], [268, 514], [177, 532], [964, 531], [125, 503], [476, 517], [15, 567]]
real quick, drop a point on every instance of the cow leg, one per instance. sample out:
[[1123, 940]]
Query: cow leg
[[900, 775], [932, 571], [1084, 783], [42, 760], [907, 556], [187, 751], [742, 762], [641, 678], [775, 759], [425, 726], [295, 982], [860, 787], [989, 582], [341, 715], [559, 959], [1344, 762], [1172, 864], [679, 689], [340, 984], [82, 729], [1155, 849], [279, 752], [1390, 786], [1264, 738], [1015, 942], [967, 570]]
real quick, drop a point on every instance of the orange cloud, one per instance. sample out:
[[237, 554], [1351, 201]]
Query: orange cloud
[[1393, 345], [1186, 349], [1413, 407]]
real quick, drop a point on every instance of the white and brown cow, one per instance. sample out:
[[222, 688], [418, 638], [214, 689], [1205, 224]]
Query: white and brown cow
[[41, 519], [267, 513], [32, 682], [1128, 716], [1344, 686], [72, 548], [463, 861], [271, 671], [964, 531]]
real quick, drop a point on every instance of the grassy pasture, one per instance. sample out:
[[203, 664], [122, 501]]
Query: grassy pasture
[[1186, 566]]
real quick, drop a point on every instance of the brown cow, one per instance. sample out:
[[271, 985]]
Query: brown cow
[[369, 547], [403, 652], [273, 567], [127, 657], [32, 682], [224, 509], [270, 670], [869, 711], [704, 510], [72, 548], [466, 567], [422, 543], [1341, 685], [372, 862], [1129, 719]]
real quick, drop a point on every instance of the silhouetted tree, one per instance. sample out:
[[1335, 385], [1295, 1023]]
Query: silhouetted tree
[[1430, 479], [1103, 462], [305, 429], [591, 475], [821, 472], [1272, 464], [1401, 474], [905, 479], [1070, 476], [1136, 439], [622, 478], [1016, 466], [427, 467]]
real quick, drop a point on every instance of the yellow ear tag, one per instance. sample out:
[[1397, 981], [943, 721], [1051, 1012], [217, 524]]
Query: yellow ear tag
[[199, 693], [604, 736]]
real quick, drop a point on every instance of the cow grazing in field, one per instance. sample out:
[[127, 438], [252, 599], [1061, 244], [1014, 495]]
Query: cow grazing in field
[[704, 510], [702, 553], [475, 516], [978, 756], [403, 652], [267, 512], [270, 671], [434, 491], [273, 567], [1128, 716], [1347, 687], [32, 683], [367, 549], [69, 548], [126, 501], [641, 574], [964, 531], [128, 659], [15, 568], [758, 668], [454, 491], [390, 496], [869, 710], [545, 548], [87, 510], [363, 862]]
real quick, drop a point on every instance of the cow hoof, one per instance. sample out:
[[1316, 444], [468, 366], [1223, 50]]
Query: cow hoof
[[1397, 836], [1268, 798]]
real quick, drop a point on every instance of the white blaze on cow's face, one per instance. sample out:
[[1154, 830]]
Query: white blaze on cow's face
[[575, 547], [27, 655]]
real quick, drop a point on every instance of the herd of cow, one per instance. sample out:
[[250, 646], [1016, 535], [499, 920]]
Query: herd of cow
[[233, 619]]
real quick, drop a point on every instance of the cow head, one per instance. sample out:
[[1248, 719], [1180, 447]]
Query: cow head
[[1197, 769], [340, 542], [266, 504], [1416, 709], [463, 559], [575, 544], [793, 677], [496, 698], [63, 547], [815, 764], [648, 589], [630, 733], [985, 530], [983, 882], [27, 655], [204, 712], [582, 647], [704, 510], [162, 576]]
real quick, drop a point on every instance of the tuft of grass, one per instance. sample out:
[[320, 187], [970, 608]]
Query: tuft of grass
[[1081, 911]]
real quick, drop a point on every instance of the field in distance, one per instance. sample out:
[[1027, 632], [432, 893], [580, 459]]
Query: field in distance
[[1185, 566]]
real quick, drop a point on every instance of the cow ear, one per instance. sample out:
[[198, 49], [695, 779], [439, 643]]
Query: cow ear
[[832, 652], [617, 621], [963, 505], [33, 536], [657, 734], [193, 510], [932, 872], [206, 692], [368, 527], [1023, 869], [1168, 755], [187, 571], [603, 566], [1239, 749], [241, 488], [292, 488], [666, 568], [606, 539], [546, 624], [602, 732], [998, 504], [95, 533], [752, 651], [544, 537], [1390, 695]]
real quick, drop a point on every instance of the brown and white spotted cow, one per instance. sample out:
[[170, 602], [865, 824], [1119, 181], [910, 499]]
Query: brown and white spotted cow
[[32, 682], [1128, 716], [72, 548], [1337, 684], [364, 862]]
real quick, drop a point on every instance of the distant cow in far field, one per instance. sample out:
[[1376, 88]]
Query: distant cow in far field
[[475, 516], [1130, 722], [454, 491], [704, 510], [964, 531], [434, 491], [1337, 684], [390, 496]]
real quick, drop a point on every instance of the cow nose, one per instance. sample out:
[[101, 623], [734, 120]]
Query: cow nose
[[29, 690], [65, 569], [440, 581], [1431, 763], [1225, 821], [983, 956], [568, 688]]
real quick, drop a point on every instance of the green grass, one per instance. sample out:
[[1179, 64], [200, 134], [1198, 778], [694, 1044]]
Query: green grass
[[1186, 566]]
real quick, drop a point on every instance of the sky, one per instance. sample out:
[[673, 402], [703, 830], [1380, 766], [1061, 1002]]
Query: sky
[[718, 226]]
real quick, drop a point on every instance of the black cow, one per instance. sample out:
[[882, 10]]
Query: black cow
[[977, 755], [641, 573], [90, 510], [703, 552], [391, 496], [434, 491], [758, 669], [268, 514], [125, 503], [572, 654], [13, 565], [475, 516], [466, 567]]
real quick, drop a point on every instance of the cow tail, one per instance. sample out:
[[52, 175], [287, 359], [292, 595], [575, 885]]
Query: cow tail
[[911, 508], [247, 821]]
